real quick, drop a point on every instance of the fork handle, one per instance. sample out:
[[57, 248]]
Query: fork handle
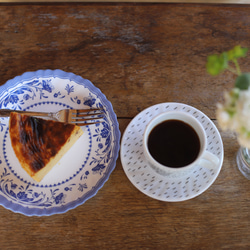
[[6, 113]]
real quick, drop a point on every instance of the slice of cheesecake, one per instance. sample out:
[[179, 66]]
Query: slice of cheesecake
[[39, 144]]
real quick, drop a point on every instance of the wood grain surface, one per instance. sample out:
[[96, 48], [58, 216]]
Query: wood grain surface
[[138, 55], [132, 1]]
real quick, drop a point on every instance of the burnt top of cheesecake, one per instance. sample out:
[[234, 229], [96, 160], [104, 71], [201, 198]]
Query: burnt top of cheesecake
[[37, 140]]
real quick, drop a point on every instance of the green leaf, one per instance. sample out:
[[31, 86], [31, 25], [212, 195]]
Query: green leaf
[[236, 52], [216, 63], [243, 81]]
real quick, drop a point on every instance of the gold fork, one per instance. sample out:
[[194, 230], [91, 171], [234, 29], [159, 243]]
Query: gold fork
[[80, 117]]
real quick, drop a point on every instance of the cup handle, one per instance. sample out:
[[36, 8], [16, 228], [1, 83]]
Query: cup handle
[[209, 160]]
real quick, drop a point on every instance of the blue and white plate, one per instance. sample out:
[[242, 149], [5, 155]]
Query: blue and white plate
[[83, 170]]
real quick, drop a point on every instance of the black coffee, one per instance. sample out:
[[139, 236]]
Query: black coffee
[[174, 143]]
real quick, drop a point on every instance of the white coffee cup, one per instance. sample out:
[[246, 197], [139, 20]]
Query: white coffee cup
[[204, 158]]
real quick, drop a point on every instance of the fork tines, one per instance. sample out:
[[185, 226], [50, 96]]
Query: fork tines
[[84, 111], [81, 116]]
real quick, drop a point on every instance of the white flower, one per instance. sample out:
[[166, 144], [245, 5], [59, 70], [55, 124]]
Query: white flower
[[234, 114]]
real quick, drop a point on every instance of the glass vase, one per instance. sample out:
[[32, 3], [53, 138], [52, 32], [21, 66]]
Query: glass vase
[[243, 161]]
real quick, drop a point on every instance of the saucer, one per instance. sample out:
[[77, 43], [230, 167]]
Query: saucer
[[165, 188]]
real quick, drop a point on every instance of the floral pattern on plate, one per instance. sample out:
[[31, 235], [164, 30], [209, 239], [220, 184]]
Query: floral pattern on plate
[[83, 169]]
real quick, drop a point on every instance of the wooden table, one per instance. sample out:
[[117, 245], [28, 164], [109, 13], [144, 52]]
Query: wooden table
[[138, 55]]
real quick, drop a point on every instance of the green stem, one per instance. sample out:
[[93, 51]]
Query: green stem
[[237, 67], [231, 69]]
